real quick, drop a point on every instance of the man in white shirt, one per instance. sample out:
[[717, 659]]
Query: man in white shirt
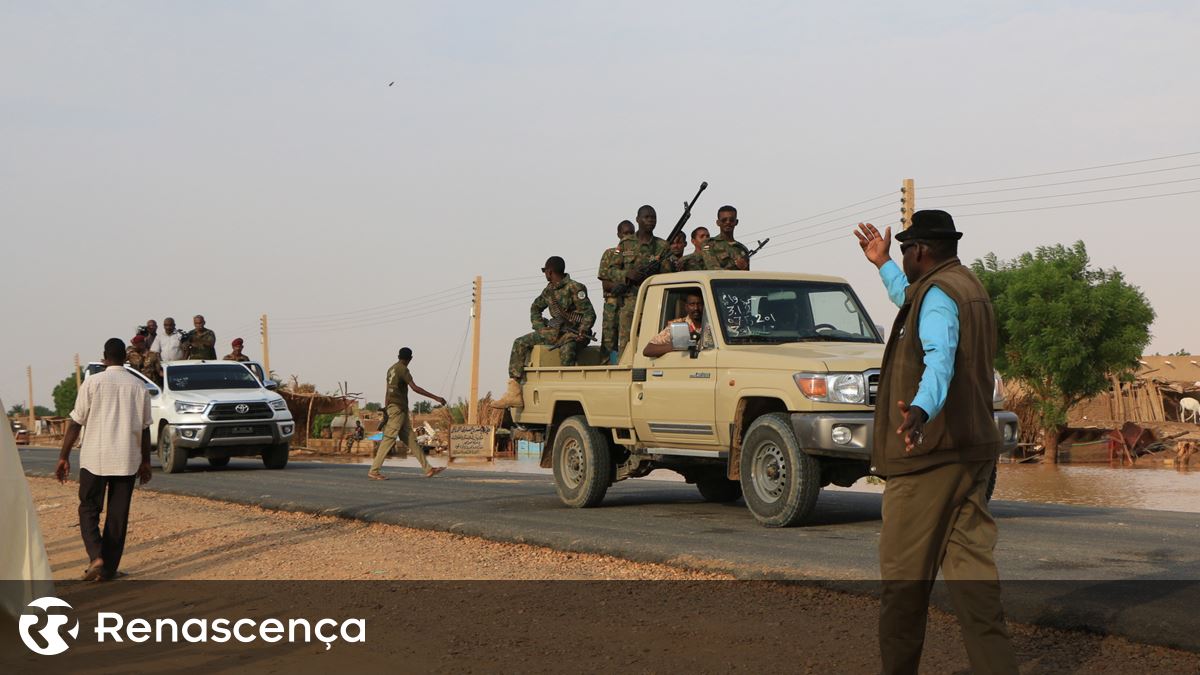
[[169, 345], [113, 409]]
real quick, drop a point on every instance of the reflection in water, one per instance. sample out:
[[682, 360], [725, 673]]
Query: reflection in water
[[1146, 486]]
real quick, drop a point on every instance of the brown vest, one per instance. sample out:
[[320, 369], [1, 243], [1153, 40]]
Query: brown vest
[[964, 431]]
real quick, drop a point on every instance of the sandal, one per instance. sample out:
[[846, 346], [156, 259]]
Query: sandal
[[375, 475], [434, 470]]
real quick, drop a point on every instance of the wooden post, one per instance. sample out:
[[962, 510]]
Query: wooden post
[[78, 374], [32, 417], [908, 203], [476, 311], [266, 348]]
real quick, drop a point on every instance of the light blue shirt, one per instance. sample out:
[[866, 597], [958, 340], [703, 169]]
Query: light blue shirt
[[938, 327]]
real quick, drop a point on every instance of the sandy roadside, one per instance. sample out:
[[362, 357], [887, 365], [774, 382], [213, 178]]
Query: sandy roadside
[[184, 538]]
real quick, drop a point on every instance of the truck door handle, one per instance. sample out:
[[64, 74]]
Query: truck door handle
[[656, 373]]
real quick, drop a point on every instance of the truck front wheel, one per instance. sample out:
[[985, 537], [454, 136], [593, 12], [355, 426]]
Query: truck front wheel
[[174, 458], [275, 456], [779, 480], [582, 463]]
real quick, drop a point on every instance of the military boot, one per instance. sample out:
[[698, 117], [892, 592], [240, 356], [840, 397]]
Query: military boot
[[512, 397]]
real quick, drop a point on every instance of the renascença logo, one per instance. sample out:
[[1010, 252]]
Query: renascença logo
[[51, 633]]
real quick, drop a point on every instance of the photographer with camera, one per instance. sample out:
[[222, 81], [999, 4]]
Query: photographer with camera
[[201, 343], [169, 345]]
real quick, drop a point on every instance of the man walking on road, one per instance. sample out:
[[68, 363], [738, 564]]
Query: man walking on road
[[399, 424], [937, 447], [113, 408]]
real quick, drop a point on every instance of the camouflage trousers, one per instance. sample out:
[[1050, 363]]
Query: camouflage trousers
[[625, 319], [610, 337], [398, 426], [523, 347]]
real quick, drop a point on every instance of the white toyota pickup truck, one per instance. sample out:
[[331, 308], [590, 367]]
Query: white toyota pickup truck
[[216, 410]]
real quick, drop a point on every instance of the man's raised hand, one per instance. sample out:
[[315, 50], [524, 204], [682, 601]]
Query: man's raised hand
[[875, 246]]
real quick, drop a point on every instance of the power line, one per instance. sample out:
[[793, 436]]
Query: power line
[[317, 317], [817, 243], [841, 224], [826, 213], [1073, 194], [458, 358], [1055, 173], [418, 305], [368, 323], [1067, 206], [1067, 182]]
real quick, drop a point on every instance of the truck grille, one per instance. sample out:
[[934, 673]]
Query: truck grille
[[229, 412], [872, 386]]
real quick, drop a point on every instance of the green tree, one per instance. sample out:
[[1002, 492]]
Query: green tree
[[422, 407], [373, 406], [1064, 328], [458, 410], [64, 395], [1181, 352], [19, 409], [320, 423]]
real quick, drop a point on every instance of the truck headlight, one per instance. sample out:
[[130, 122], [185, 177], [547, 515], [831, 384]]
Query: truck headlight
[[833, 387], [279, 405], [188, 407]]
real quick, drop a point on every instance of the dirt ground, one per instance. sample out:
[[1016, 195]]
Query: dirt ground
[[688, 620]]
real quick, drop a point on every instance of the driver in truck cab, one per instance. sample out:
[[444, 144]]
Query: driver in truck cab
[[694, 316]]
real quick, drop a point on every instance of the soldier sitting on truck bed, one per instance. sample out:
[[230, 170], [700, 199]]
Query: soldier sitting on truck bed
[[694, 316], [723, 252], [569, 327]]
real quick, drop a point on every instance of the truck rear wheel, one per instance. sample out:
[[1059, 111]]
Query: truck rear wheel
[[779, 480], [719, 489], [174, 458], [582, 463], [275, 456]]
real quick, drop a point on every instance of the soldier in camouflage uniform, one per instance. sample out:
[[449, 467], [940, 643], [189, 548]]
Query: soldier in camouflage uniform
[[236, 354], [143, 360], [399, 424], [694, 261], [643, 248], [612, 303], [570, 325], [724, 252], [203, 344]]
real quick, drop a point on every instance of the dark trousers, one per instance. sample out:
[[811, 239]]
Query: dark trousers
[[111, 544]]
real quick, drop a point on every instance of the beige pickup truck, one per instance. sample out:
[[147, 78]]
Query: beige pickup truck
[[771, 401]]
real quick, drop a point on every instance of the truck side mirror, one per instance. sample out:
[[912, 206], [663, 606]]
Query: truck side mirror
[[681, 337], [270, 384]]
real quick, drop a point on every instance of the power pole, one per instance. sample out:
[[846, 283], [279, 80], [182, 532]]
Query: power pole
[[476, 311], [266, 347], [908, 203], [78, 375], [32, 417]]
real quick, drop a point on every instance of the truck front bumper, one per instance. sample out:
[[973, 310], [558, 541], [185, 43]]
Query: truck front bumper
[[851, 435], [248, 433]]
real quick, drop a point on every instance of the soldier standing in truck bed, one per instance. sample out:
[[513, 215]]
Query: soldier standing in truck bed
[[610, 265], [629, 275], [203, 344], [723, 252], [571, 320], [695, 260]]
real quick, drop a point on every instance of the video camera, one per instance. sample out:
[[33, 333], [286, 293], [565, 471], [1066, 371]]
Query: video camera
[[186, 335], [143, 331]]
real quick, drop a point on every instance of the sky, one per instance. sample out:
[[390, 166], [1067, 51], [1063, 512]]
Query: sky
[[240, 158]]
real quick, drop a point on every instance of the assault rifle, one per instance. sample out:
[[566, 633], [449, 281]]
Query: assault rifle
[[761, 243], [653, 266]]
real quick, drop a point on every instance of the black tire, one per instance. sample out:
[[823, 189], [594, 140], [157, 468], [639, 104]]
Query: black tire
[[991, 485], [174, 458], [218, 462], [275, 456], [780, 481], [582, 463], [719, 489]]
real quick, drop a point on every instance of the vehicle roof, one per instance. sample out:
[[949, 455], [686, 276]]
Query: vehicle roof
[[738, 275], [200, 362]]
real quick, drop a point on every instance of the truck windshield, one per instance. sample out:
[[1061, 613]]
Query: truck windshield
[[215, 376], [764, 311]]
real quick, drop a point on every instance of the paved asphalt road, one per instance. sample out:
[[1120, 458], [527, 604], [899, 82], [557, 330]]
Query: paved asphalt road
[[1123, 571]]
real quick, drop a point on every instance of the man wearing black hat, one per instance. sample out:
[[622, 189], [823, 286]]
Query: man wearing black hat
[[399, 423], [936, 447], [569, 328]]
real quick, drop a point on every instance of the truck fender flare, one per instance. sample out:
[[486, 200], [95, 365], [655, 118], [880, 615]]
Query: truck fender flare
[[764, 401]]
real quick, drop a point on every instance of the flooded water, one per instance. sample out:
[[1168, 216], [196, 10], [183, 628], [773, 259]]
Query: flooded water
[[1147, 486]]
